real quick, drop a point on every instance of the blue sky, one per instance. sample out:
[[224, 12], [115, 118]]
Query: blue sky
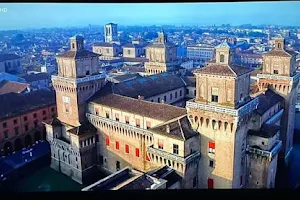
[[34, 15]]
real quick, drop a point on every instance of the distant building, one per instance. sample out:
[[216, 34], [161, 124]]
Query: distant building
[[21, 118], [10, 63], [38, 81], [200, 54], [110, 32], [250, 59], [47, 68], [187, 64], [107, 51], [133, 50], [162, 56], [15, 87], [10, 77], [123, 78], [181, 51]]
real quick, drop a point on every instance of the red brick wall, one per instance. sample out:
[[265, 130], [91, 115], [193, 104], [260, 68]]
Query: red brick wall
[[21, 123]]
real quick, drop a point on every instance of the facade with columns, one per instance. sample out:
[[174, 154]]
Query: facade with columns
[[220, 140]]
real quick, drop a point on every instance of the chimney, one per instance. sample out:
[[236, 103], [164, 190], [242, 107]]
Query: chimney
[[140, 97], [168, 128]]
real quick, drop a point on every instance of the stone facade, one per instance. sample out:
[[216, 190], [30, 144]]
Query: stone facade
[[161, 55]]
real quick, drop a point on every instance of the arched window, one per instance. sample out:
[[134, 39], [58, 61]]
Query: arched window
[[222, 58], [73, 45]]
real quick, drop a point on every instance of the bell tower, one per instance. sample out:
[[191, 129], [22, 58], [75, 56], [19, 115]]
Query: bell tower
[[77, 80]]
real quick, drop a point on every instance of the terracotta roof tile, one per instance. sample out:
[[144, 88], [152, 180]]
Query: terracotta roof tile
[[10, 86], [78, 54], [285, 53], [223, 70], [152, 110]]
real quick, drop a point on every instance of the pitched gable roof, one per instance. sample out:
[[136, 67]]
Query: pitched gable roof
[[178, 128], [10, 86], [223, 70]]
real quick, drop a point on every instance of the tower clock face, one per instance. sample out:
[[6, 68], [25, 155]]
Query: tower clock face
[[66, 99]]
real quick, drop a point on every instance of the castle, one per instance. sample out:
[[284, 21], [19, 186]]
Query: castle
[[228, 136]]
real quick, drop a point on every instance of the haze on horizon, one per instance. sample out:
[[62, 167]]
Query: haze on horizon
[[39, 15]]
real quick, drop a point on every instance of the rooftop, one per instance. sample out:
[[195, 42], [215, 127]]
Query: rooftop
[[85, 128], [4, 57], [281, 53], [178, 128], [152, 110], [105, 44], [36, 77], [266, 131], [10, 86], [167, 174], [14, 104], [78, 54], [267, 100], [149, 86], [223, 70], [190, 80]]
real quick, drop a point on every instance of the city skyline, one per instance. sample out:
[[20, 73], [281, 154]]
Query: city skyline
[[61, 15]]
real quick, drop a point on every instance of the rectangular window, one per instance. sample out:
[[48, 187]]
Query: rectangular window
[[187, 91], [127, 148], [100, 160], [107, 115], [4, 125], [127, 119], [137, 152], [175, 149], [35, 124], [165, 98], [96, 111], [67, 107], [107, 141], [158, 100], [160, 144], [148, 125], [171, 96], [15, 121], [26, 127], [175, 94], [210, 183], [25, 118], [214, 98], [180, 93], [241, 180], [195, 181], [194, 92], [137, 122], [17, 130], [211, 163], [44, 112], [6, 134], [118, 166], [52, 109], [275, 71], [117, 145], [117, 117], [211, 147], [34, 115]]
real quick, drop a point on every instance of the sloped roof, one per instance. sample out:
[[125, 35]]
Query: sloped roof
[[4, 57], [179, 128], [266, 131], [223, 70], [267, 100], [105, 44], [149, 86], [224, 44], [281, 53], [14, 104], [152, 110], [78, 54], [190, 80], [84, 128], [36, 77], [10, 86]]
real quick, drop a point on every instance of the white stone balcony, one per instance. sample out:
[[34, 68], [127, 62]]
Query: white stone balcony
[[243, 110], [278, 77], [173, 157], [269, 154], [76, 81], [94, 119]]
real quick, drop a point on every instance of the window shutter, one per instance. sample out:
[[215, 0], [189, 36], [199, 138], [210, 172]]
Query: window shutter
[[210, 183], [148, 124], [137, 122], [107, 141], [117, 116], [126, 118], [137, 152], [97, 111], [127, 148], [211, 145], [147, 158], [117, 145]]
